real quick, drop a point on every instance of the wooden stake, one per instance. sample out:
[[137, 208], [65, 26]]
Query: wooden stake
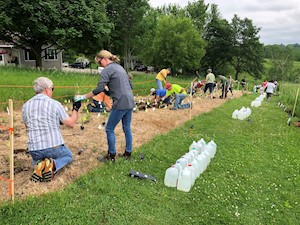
[[295, 102], [192, 82], [11, 139]]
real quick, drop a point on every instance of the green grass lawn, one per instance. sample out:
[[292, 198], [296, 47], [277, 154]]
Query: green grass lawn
[[288, 96], [253, 179], [20, 82], [297, 64]]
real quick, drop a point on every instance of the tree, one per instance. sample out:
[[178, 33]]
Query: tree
[[126, 15], [247, 50], [144, 42], [177, 44], [171, 9], [196, 11], [281, 63], [219, 38], [38, 25]]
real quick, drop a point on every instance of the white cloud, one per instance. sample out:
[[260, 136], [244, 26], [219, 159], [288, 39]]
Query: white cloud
[[278, 20]]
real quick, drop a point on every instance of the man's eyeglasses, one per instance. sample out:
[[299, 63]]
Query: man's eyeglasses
[[52, 88]]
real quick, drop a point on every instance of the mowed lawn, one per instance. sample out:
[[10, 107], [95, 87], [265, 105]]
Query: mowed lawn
[[253, 179]]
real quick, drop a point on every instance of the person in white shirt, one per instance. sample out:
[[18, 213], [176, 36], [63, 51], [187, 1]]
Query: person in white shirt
[[42, 116], [270, 89]]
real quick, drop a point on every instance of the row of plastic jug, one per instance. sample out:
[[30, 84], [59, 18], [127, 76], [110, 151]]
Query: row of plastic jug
[[257, 102], [241, 114], [191, 165]]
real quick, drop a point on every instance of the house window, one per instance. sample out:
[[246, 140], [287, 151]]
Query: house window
[[51, 54], [29, 55]]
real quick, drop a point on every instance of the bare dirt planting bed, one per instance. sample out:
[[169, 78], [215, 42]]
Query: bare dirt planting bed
[[87, 144]]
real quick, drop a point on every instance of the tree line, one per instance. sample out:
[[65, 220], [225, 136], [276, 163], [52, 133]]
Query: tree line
[[187, 39]]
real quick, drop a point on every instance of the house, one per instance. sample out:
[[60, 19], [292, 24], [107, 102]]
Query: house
[[10, 55]]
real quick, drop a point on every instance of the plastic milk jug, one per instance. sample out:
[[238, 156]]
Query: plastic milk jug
[[194, 146], [183, 162], [193, 172], [171, 177], [194, 152], [196, 166], [201, 164], [178, 167], [207, 159], [213, 147], [185, 180], [235, 114], [201, 144], [189, 156]]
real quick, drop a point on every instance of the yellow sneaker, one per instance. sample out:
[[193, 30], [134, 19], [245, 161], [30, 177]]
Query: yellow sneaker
[[38, 171], [48, 172]]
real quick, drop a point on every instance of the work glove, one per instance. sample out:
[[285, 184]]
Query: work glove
[[106, 92], [79, 98], [76, 106]]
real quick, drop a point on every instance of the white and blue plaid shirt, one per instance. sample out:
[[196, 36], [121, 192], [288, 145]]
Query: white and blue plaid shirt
[[42, 116]]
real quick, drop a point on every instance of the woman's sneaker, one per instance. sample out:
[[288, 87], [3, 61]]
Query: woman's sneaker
[[126, 155], [107, 158]]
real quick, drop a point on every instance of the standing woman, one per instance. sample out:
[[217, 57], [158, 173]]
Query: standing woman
[[116, 79]]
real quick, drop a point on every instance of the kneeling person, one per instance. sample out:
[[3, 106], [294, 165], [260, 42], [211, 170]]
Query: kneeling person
[[102, 102], [180, 94], [159, 96], [42, 116]]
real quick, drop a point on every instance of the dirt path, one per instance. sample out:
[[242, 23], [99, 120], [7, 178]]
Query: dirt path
[[87, 144]]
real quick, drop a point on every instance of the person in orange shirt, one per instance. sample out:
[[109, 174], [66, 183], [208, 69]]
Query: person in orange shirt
[[102, 102], [162, 77]]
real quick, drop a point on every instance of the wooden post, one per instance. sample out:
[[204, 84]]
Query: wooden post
[[295, 102], [11, 139]]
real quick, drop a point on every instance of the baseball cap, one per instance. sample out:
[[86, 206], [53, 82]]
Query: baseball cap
[[168, 85], [152, 90]]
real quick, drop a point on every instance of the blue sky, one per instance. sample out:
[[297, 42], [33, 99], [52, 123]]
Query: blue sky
[[279, 20]]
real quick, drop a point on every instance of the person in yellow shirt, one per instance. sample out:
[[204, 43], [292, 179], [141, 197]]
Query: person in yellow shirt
[[162, 77]]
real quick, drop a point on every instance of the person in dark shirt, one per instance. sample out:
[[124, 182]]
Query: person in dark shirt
[[243, 83], [116, 79]]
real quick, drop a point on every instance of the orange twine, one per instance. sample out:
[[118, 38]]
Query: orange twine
[[5, 128], [10, 184], [11, 129]]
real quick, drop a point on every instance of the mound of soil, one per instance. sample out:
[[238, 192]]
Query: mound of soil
[[87, 144]]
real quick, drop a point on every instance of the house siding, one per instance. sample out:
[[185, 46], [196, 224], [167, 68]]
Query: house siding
[[11, 54]]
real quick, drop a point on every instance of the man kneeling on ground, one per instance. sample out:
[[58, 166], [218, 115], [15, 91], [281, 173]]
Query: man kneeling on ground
[[180, 94], [159, 95], [42, 116]]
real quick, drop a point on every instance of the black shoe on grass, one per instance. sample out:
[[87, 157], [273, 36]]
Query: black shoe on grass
[[107, 158]]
